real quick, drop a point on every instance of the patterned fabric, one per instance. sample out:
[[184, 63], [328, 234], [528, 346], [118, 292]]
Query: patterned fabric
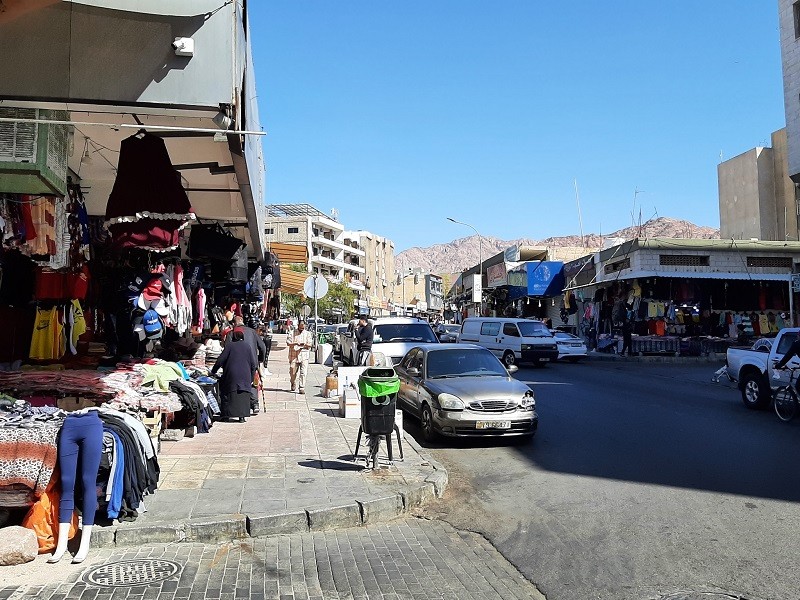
[[28, 456]]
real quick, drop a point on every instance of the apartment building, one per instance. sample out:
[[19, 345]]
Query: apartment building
[[329, 253], [375, 284]]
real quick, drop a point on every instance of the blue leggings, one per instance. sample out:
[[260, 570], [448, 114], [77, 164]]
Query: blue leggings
[[81, 441]]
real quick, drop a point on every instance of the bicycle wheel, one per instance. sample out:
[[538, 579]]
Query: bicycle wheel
[[785, 404]]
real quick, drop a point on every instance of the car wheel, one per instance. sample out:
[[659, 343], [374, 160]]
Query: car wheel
[[509, 358], [426, 421], [755, 390]]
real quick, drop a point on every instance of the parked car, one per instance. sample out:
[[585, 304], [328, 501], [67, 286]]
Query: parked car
[[752, 369], [570, 347], [448, 333], [391, 336], [512, 340], [463, 390]]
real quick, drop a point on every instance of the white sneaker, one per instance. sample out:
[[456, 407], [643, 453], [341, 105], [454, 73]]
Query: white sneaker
[[267, 372]]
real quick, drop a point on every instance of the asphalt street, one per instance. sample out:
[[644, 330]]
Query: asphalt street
[[644, 480]]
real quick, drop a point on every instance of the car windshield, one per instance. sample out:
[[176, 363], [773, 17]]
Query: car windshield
[[452, 328], [533, 329], [466, 362], [403, 332]]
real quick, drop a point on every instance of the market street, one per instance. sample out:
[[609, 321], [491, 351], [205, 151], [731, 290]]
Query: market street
[[643, 480]]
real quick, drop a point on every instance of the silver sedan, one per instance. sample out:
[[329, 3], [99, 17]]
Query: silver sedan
[[463, 390]]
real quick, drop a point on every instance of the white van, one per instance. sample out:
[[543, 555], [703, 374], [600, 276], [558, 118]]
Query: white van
[[511, 340]]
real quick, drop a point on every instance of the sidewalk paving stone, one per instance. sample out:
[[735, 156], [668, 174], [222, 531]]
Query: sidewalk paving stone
[[296, 454]]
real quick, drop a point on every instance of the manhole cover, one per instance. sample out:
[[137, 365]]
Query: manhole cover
[[131, 572], [702, 596]]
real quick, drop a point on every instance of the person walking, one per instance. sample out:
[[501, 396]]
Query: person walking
[[627, 331], [299, 342], [256, 344], [364, 334], [239, 366]]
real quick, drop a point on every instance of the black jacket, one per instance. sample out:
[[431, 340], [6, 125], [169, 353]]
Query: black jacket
[[364, 337], [794, 350]]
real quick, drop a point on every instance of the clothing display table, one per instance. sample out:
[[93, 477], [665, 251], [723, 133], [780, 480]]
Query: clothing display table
[[28, 456], [655, 345]]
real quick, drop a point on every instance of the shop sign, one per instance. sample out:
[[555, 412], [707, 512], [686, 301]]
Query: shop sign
[[496, 275], [796, 282], [511, 254], [518, 277], [374, 302], [477, 288], [580, 272], [545, 278]]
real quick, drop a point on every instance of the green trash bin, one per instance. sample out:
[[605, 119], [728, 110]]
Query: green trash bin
[[378, 387]]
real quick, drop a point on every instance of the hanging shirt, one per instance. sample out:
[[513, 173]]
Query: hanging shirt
[[47, 342], [77, 323]]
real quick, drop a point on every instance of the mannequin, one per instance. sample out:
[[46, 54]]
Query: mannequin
[[80, 444]]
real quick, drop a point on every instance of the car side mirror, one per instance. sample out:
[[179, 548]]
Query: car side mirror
[[413, 371], [512, 369]]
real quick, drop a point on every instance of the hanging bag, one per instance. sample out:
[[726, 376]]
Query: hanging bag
[[212, 241]]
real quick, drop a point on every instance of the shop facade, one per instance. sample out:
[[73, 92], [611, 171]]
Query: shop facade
[[683, 296], [132, 234]]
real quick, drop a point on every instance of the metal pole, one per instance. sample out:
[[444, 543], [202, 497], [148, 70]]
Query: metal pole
[[480, 259], [791, 302]]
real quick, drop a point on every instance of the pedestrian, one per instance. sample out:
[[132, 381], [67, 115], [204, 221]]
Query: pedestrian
[[299, 342], [364, 339], [238, 369], [627, 330], [259, 350], [266, 336]]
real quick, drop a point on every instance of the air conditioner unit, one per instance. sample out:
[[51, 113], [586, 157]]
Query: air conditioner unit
[[33, 156]]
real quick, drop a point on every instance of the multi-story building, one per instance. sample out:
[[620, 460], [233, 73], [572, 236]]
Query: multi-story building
[[789, 17], [329, 252], [757, 198], [374, 285], [416, 292]]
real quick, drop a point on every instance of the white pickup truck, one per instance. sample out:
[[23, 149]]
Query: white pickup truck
[[752, 369], [392, 336]]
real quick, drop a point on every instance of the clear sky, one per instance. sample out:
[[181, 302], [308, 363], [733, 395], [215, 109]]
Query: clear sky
[[400, 114]]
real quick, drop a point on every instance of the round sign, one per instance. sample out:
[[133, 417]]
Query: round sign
[[315, 286], [306, 310]]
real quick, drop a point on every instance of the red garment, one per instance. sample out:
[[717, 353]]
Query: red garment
[[27, 220]]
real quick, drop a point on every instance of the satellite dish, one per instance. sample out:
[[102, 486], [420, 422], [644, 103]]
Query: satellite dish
[[315, 286]]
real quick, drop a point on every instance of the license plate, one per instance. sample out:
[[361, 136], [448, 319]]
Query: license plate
[[493, 425], [544, 360]]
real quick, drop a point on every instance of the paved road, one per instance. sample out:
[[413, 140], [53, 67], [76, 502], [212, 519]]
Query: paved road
[[408, 559], [643, 480]]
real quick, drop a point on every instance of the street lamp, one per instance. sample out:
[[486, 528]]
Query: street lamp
[[480, 256]]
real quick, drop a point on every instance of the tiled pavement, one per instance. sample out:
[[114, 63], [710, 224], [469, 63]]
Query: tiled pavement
[[409, 559], [296, 454]]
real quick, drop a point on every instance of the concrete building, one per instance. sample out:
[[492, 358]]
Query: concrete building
[[374, 286], [757, 199], [789, 20], [329, 253]]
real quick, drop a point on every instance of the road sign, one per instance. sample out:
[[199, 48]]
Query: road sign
[[796, 282], [315, 286], [306, 310]]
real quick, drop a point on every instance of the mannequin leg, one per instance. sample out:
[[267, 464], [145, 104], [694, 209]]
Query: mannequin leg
[[61, 543], [83, 550]]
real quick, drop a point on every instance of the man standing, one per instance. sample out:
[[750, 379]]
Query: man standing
[[364, 339], [299, 342], [627, 330]]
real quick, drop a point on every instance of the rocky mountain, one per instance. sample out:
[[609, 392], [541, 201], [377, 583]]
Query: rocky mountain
[[455, 256]]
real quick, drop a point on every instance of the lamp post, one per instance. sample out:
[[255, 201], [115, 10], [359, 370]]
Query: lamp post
[[480, 258]]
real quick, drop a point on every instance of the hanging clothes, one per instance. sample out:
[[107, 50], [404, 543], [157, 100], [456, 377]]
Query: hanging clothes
[[148, 205]]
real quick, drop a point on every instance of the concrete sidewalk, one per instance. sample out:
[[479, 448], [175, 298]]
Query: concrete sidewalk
[[289, 469]]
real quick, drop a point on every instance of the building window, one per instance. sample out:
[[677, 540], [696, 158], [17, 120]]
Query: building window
[[796, 8], [683, 260], [618, 266], [775, 262], [294, 230], [270, 231]]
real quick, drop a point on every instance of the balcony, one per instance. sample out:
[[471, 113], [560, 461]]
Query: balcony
[[323, 241]]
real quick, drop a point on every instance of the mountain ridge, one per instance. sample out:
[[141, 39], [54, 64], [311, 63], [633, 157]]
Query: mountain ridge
[[462, 253]]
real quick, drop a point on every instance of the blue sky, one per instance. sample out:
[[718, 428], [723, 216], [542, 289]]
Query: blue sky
[[400, 114]]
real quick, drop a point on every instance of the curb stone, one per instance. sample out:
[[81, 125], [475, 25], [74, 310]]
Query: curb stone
[[334, 517], [217, 529], [381, 509], [278, 523], [689, 360]]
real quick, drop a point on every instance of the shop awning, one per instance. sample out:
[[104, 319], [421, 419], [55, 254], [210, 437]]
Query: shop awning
[[292, 281], [700, 275], [290, 253]]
